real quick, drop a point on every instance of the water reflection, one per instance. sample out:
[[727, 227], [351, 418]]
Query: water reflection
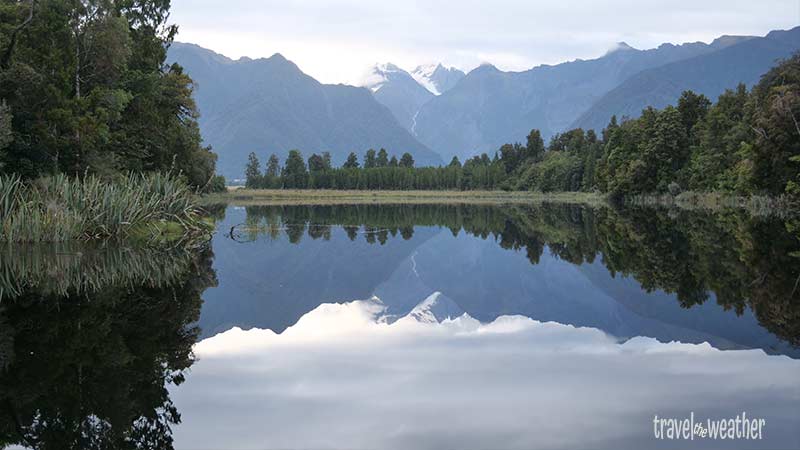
[[90, 339], [344, 378], [514, 326], [727, 279]]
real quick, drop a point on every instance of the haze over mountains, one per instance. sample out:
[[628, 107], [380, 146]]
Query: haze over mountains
[[435, 113]]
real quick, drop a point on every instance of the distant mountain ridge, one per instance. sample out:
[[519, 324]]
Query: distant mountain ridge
[[435, 113], [269, 105], [738, 60], [490, 107]]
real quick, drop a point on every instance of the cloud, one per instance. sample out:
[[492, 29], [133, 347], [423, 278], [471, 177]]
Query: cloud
[[343, 378], [334, 40]]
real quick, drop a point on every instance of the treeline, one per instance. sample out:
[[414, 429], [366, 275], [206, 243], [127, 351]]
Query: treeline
[[379, 171], [84, 88], [748, 142]]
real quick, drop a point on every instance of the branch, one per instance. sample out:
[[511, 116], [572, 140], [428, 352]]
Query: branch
[[6, 59]]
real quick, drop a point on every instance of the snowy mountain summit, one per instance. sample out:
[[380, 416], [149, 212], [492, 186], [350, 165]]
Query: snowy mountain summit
[[437, 78], [436, 308]]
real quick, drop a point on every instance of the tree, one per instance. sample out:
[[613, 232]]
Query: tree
[[326, 161], [407, 160], [383, 158], [692, 108], [455, 162], [315, 163], [352, 161], [295, 175], [90, 91], [393, 162], [775, 103], [535, 146], [252, 171], [273, 166], [370, 161]]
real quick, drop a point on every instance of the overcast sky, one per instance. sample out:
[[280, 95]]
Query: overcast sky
[[337, 40]]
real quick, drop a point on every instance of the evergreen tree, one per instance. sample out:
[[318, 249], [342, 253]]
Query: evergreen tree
[[352, 161], [535, 146], [370, 161], [252, 171], [383, 158], [273, 166], [316, 163], [407, 160], [455, 162], [326, 161], [393, 162], [295, 174]]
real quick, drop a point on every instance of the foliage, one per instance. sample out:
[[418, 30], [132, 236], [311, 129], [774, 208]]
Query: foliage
[[90, 93]]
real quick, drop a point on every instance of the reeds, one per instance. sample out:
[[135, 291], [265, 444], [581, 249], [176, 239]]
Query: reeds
[[62, 208]]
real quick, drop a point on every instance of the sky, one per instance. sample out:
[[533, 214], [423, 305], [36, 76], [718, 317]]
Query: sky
[[336, 41]]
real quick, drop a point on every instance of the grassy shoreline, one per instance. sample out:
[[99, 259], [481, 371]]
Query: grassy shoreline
[[700, 201], [315, 197], [154, 209]]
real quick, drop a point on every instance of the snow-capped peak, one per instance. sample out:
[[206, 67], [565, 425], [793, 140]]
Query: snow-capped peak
[[425, 76], [437, 78], [435, 309], [378, 75]]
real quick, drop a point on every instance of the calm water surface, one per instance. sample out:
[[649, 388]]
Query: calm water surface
[[407, 326]]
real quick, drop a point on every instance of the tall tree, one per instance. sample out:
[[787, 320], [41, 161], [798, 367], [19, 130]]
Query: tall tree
[[407, 160], [252, 171], [535, 146], [383, 158], [370, 159], [316, 163], [273, 166], [295, 174], [352, 161]]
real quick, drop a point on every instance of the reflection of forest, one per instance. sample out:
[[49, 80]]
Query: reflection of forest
[[744, 261], [90, 339]]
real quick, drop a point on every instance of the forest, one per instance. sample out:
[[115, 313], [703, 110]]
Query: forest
[[748, 142], [84, 89]]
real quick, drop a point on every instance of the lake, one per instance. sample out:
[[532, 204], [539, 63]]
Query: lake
[[429, 326]]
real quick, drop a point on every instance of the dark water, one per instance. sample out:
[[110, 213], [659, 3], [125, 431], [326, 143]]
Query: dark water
[[407, 326]]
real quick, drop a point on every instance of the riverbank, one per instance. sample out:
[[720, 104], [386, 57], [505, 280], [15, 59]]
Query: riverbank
[[316, 197]]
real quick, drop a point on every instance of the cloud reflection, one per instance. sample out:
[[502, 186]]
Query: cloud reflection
[[344, 378]]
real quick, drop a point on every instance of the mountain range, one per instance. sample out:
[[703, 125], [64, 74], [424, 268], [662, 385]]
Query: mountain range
[[435, 113], [269, 105]]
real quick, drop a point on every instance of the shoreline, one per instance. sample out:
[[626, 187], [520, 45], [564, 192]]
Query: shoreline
[[242, 196]]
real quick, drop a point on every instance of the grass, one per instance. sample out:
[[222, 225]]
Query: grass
[[322, 197], [62, 208]]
